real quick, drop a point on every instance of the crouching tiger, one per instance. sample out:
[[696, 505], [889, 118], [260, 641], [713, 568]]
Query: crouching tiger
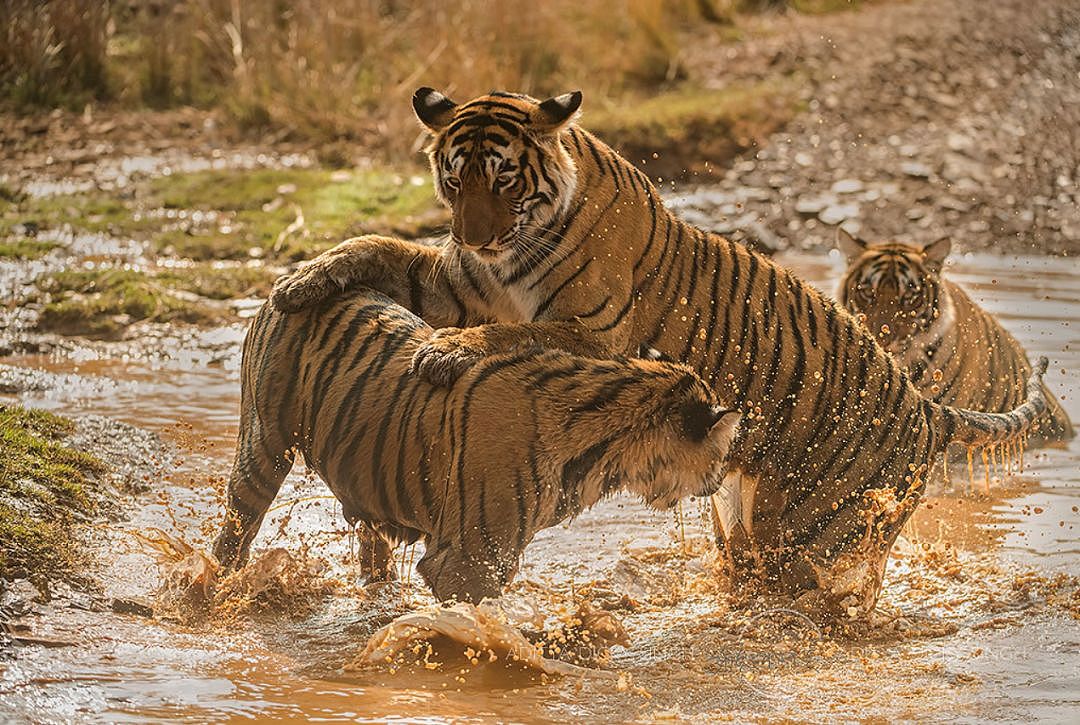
[[557, 240], [955, 352], [520, 443]]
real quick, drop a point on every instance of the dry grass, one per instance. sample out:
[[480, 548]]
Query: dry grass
[[346, 68], [343, 69], [53, 53]]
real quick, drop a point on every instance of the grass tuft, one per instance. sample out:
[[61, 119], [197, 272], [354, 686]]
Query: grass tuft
[[25, 249], [102, 302], [45, 488]]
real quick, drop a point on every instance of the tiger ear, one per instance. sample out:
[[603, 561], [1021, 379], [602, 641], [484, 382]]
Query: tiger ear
[[849, 244], [555, 113], [934, 253], [724, 430], [701, 419], [433, 108]]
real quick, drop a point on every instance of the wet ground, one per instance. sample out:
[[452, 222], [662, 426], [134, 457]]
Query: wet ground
[[979, 618]]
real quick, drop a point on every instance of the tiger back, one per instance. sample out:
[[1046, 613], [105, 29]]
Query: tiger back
[[954, 351], [522, 442]]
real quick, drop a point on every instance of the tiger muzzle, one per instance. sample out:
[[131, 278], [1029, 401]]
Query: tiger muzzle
[[481, 219]]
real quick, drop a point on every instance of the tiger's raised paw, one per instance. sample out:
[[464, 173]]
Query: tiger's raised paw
[[351, 263], [445, 357], [306, 287]]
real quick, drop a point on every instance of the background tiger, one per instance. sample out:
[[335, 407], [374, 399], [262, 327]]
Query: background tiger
[[558, 241], [520, 443], [954, 351]]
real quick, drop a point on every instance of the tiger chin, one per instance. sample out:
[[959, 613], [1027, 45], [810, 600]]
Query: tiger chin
[[955, 352], [520, 443]]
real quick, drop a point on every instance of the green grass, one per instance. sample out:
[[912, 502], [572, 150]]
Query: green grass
[[691, 126], [334, 206], [45, 487], [25, 248], [236, 214], [95, 212], [102, 302], [219, 283], [821, 7]]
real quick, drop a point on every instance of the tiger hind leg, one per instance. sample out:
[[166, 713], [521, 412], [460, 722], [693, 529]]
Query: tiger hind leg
[[263, 460], [375, 553]]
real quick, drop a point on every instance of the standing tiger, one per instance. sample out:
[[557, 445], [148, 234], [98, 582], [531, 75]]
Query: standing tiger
[[557, 241], [954, 351], [523, 441]]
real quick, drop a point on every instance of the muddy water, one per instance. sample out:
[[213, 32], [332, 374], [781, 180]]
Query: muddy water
[[978, 632]]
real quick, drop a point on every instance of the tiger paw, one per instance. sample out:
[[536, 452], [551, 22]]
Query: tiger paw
[[305, 287], [351, 263], [445, 357]]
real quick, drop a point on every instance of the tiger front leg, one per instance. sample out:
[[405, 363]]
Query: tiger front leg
[[410, 274], [450, 352], [454, 574], [263, 460], [839, 574]]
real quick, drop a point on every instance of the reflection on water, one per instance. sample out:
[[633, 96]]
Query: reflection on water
[[1010, 649]]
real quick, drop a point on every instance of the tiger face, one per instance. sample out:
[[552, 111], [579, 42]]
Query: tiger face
[[498, 164], [894, 288]]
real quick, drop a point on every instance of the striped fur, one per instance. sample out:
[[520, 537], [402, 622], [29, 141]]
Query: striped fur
[[954, 351], [829, 415], [520, 443]]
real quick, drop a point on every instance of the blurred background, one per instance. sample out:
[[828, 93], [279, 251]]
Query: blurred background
[[322, 70]]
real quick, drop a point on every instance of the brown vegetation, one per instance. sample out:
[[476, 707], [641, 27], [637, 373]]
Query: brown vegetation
[[329, 69]]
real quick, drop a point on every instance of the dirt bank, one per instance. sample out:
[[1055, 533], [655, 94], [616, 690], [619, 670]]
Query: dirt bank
[[923, 119]]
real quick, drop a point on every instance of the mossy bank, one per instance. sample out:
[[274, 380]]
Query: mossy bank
[[47, 490]]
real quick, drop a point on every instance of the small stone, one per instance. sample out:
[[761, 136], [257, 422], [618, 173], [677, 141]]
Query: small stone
[[126, 605], [838, 213], [847, 186], [916, 169], [951, 202], [957, 167], [958, 142], [804, 159], [752, 193], [814, 204], [777, 181]]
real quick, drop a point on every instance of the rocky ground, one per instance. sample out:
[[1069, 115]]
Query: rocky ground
[[922, 119]]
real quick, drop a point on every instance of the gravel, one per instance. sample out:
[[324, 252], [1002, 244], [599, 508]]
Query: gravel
[[923, 119]]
